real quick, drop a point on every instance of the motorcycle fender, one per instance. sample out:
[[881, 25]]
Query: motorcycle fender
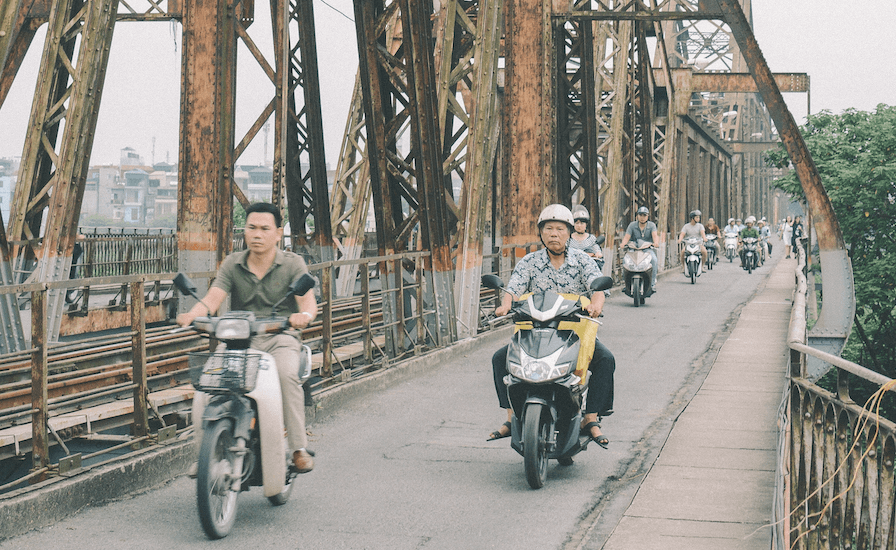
[[269, 402]]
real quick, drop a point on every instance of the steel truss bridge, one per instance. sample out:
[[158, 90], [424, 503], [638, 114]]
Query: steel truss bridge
[[612, 104]]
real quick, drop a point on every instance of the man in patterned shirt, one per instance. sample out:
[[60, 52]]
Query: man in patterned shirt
[[563, 270]]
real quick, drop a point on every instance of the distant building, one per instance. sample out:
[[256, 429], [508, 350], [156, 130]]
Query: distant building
[[9, 169]]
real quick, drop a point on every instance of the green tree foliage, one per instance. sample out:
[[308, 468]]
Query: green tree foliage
[[855, 153]]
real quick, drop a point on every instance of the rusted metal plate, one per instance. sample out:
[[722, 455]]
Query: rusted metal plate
[[685, 80]]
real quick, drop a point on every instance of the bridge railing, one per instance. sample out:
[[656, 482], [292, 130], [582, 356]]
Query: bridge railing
[[140, 369], [836, 458]]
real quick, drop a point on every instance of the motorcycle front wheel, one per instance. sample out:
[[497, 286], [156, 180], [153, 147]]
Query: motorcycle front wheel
[[535, 456], [749, 263], [215, 497], [636, 292]]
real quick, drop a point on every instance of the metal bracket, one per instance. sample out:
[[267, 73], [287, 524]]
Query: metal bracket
[[70, 464], [166, 434]]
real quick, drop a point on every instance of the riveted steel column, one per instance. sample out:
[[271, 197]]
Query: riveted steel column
[[208, 85], [306, 167], [529, 123], [407, 186], [835, 321], [53, 174], [12, 335], [434, 213], [482, 148]]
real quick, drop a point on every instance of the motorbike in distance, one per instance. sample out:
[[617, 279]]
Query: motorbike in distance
[[238, 412], [637, 267], [730, 246], [693, 258], [711, 258], [750, 254], [548, 376]]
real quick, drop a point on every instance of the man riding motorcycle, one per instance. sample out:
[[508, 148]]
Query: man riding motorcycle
[[692, 229], [563, 270], [747, 232], [643, 229], [712, 229], [257, 279]]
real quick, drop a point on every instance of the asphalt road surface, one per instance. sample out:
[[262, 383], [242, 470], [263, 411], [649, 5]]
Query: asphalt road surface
[[409, 467]]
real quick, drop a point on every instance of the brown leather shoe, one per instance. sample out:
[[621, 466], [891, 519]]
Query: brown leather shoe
[[303, 461]]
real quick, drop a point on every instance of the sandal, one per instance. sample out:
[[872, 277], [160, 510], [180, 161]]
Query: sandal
[[599, 439], [498, 434]]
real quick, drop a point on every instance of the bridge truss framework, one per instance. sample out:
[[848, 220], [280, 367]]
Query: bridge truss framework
[[614, 105]]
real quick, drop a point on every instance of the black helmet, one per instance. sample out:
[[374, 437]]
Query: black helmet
[[694, 214]]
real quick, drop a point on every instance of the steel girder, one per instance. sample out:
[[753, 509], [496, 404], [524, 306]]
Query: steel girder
[[577, 134], [206, 159], [408, 190], [481, 149], [305, 162], [53, 170], [529, 119]]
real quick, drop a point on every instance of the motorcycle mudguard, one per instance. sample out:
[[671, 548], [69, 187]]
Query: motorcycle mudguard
[[269, 402]]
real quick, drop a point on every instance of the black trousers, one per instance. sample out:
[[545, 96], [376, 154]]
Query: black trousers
[[600, 384]]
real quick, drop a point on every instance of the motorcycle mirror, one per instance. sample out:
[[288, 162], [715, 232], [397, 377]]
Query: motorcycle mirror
[[600, 240], [301, 285], [297, 288], [601, 283], [185, 285], [492, 281]]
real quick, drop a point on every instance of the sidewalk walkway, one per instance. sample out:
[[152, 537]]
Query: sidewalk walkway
[[712, 484]]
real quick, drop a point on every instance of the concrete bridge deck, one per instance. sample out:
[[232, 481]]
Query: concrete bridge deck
[[713, 483]]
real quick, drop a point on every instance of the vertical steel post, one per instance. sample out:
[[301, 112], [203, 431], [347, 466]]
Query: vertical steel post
[[40, 454], [326, 294], [481, 152], [53, 171], [208, 87], [305, 161], [138, 359], [529, 119]]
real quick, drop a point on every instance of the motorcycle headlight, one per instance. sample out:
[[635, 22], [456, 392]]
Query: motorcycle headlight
[[544, 369], [233, 329]]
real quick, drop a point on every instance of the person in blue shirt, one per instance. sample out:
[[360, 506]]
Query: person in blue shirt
[[562, 269]]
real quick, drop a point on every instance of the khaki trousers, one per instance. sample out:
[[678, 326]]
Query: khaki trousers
[[286, 348]]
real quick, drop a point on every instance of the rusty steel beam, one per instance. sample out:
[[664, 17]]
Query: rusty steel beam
[[577, 131], [407, 186], [479, 167], [305, 162], [688, 80], [40, 454], [54, 168], [529, 119], [208, 89]]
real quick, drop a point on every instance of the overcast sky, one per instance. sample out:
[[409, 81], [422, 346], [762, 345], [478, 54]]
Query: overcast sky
[[843, 46]]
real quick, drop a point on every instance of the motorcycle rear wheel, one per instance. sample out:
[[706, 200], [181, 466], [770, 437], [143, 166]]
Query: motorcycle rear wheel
[[535, 456], [215, 497]]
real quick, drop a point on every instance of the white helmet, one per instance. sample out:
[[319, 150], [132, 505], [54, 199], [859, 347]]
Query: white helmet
[[579, 212], [556, 213], [750, 219]]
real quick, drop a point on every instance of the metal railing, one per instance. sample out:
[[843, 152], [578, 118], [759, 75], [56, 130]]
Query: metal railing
[[352, 337], [836, 458]]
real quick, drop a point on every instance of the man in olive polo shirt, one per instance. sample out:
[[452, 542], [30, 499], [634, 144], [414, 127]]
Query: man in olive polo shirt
[[256, 279]]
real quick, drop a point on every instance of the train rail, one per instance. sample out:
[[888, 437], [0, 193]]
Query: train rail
[[91, 383]]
